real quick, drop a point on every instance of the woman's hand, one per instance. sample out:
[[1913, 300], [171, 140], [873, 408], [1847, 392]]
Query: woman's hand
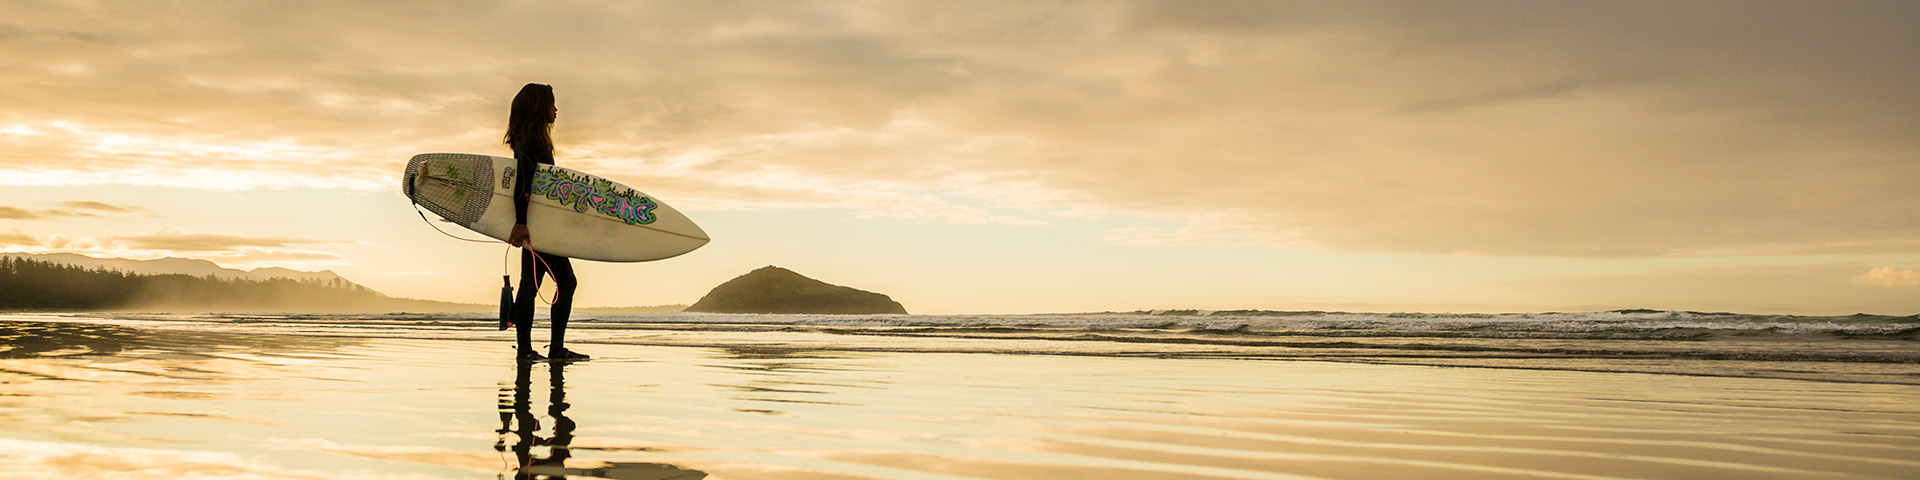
[[520, 237]]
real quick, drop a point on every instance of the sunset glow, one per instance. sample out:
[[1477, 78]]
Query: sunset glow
[[1016, 157]]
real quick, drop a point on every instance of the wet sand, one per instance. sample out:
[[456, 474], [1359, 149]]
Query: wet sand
[[84, 401]]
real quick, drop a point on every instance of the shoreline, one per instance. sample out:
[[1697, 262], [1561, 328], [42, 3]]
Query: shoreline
[[1756, 352]]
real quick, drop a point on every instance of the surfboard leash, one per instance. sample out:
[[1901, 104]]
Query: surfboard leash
[[505, 261], [536, 289], [423, 218]]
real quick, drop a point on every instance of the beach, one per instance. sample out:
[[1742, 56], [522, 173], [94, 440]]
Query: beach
[[404, 397]]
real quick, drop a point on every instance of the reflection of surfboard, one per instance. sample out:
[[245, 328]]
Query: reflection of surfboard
[[572, 213]]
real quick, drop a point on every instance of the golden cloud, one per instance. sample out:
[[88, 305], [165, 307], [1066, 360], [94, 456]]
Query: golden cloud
[[16, 213], [1889, 277], [18, 238], [208, 242], [233, 251], [1514, 129]]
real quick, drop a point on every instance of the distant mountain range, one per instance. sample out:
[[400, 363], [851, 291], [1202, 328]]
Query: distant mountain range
[[179, 266], [766, 290], [78, 282]]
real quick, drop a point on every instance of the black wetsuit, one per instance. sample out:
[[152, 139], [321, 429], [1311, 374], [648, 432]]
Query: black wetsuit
[[530, 270]]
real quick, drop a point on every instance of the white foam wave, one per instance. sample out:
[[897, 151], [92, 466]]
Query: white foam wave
[[1586, 322]]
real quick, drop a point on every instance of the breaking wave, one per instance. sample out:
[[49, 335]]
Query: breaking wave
[[1853, 348]]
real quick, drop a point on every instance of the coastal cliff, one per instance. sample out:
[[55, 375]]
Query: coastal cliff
[[773, 289]]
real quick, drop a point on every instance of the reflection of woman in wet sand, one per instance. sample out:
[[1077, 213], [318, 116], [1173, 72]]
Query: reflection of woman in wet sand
[[517, 420], [515, 408]]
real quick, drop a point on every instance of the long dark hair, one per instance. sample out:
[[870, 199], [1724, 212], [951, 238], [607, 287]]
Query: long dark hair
[[530, 124]]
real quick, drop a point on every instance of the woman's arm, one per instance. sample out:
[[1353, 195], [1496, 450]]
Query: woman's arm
[[522, 193]]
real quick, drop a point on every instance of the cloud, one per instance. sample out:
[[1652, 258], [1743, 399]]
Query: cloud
[[101, 206], [1486, 127], [1889, 277], [17, 238], [231, 251], [1496, 95], [16, 213], [273, 257], [208, 242], [1807, 289]]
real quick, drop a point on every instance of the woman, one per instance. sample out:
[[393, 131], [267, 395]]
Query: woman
[[529, 133]]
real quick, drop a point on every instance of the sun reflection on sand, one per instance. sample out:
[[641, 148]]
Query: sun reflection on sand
[[277, 404]]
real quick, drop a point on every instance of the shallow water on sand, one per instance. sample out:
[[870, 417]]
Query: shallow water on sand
[[102, 401]]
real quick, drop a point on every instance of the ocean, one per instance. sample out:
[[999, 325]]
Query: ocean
[[1854, 348]]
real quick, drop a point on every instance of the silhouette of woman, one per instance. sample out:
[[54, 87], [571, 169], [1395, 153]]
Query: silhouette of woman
[[529, 133]]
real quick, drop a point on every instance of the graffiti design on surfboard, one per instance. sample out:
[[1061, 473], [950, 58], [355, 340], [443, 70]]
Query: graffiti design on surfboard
[[589, 193]]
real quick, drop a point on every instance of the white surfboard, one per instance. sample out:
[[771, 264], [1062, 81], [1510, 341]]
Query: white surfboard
[[571, 213]]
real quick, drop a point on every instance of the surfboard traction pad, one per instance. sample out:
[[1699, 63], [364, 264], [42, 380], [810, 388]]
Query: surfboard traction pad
[[456, 187]]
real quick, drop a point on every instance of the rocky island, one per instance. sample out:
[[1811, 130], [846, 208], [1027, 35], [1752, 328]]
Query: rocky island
[[773, 289]]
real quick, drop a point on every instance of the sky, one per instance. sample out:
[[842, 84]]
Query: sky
[[1016, 157]]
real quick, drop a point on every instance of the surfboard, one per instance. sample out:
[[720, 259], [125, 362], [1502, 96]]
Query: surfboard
[[571, 213]]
